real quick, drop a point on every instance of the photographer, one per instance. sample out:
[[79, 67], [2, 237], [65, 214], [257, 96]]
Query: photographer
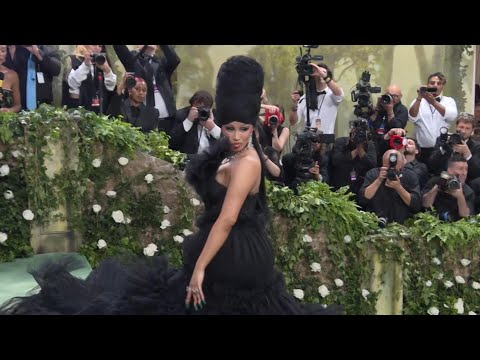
[[352, 157], [307, 161], [88, 79], [411, 153], [448, 193], [460, 143], [391, 191], [194, 128], [270, 157], [274, 134], [157, 72], [430, 111]]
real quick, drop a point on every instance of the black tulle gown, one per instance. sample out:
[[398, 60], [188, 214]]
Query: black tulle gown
[[241, 278]]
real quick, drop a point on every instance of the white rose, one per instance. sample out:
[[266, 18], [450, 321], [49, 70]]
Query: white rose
[[16, 154], [1, 155], [111, 193], [186, 232], [166, 209], [436, 261], [448, 284], [165, 223], [4, 170], [459, 306], [347, 239], [459, 279], [428, 283], [298, 293], [323, 290], [28, 215], [446, 306], [150, 250], [338, 282], [476, 285], [194, 202], [465, 262], [149, 178], [123, 161], [365, 293], [118, 216], [96, 163], [472, 313], [96, 208], [433, 311], [3, 237], [8, 194], [307, 238], [440, 276], [316, 267], [101, 244], [178, 239], [127, 220]]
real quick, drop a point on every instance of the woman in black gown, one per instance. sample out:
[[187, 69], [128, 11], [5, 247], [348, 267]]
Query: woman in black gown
[[228, 264]]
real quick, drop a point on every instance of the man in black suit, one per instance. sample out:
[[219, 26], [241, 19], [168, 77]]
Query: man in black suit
[[194, 128], [47, 64], [157, 73]]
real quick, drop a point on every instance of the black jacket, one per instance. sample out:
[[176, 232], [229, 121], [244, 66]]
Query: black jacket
[[145, 117]]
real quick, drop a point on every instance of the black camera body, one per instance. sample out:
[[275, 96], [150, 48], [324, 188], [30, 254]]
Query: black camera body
[[449, 140], [362, 95], [359, 133], [425, 89], [203, 113], [303, 150], [130, 81], [455, 139], [392, 164], [448, 182], [303, 66], [99, 58]]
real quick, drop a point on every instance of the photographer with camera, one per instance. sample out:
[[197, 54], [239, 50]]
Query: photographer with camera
[[157, 72], [195, 129], [411, 152], [352, 157], [88, 79], [391, 191], [429, 112], [307, 161], [274, 134], [448, 194]]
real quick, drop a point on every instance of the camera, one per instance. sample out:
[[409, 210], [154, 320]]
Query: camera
[[203, 113], [382, 222], [392, 164], [443, 135], [397, 142], [386, 99], [428, 89], [448, 182], [303, 150], [273, 119], [359, 133], [99, 58], [455, 139], [130, 81], [303, 66], [362, 95]]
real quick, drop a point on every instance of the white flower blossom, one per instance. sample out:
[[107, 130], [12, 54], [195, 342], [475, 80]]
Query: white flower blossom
[[347, 239], [446, 306], [440, 276], [96, 208], [1, 155], [8, 194], [472, 313], [28, 215], [4, 170], [365, 293], [165, 224], [428, 283], [118, 216], [338, 282], [307, 238], [459, 306], [178, 238], [111, 193], [149, 178], [436, 261], [316, 267], [323, 291], [166, 209], [186, 232], [101, 244], [465, 262], [298, 293], [150, 250], [448, 284], [476, 285], [459, 279], [16, 154], [433, 311], [123, 161], [3, 237], [96, 163], [194, 202], [127, 220]]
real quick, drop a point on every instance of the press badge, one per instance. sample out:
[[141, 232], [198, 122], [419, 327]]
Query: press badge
[[40, 78]]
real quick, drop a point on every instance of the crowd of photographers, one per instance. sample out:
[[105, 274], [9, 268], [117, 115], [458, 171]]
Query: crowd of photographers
[[390, 174]]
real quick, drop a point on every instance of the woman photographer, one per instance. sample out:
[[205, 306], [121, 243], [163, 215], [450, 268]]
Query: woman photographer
[[9, 86]]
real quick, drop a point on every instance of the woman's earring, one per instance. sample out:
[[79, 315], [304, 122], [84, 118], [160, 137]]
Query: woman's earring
[[250, 143]]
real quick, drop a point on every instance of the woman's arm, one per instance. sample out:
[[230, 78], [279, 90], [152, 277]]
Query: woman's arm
[[17, 103]]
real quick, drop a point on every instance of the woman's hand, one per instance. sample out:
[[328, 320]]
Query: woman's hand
[[194, 290]]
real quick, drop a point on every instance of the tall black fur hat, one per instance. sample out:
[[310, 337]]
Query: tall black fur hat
[[239, 88]]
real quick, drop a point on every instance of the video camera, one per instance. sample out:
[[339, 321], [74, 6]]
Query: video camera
[[392, 164], [99, 59], [359, 133], [363, 95], [303, 66], [448, 182]]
